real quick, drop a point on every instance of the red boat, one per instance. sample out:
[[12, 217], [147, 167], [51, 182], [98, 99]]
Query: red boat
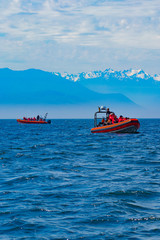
[[33, 122], [130, 125], [39, 120]]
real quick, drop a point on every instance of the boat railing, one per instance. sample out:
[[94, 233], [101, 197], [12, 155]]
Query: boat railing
[[96, 118]]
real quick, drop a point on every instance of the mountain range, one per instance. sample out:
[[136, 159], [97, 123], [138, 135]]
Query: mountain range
[[128, 89], [139, 86], [131, 83]]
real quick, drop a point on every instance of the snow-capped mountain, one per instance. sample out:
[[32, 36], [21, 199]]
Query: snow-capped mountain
[[138, 85], [108, 73], [157, 77]]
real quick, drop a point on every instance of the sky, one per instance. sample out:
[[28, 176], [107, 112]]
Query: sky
[[80, 35]]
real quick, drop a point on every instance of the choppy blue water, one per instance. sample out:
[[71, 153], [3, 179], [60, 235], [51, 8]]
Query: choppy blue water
[[59, 181]]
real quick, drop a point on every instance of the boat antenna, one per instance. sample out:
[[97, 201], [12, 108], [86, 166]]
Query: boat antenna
[[45, 116]]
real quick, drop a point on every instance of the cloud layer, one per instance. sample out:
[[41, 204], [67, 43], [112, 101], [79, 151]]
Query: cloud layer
[[80, 35]]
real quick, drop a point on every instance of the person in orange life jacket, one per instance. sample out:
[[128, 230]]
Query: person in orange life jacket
[[109, 121], [103, 120], [34, 119], [121, 118], [113, 118]]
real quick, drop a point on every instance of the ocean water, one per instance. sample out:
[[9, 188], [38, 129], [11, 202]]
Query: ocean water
[[60, 181]]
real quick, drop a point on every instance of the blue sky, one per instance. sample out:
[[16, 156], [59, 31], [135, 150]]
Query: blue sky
[[80, 35]]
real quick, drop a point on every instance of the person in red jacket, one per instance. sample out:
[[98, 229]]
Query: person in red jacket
[[112, 119], [121, 118], [102, 122], [115, 118]]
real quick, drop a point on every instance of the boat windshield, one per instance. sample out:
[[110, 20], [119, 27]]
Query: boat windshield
[[98, 116]]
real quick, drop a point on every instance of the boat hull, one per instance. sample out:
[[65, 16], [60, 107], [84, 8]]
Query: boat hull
[[127, 126], [31, 122]]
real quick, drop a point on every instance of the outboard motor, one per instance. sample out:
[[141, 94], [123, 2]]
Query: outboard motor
[[49, 121]]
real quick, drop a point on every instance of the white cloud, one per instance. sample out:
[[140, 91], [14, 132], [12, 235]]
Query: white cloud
[[107, 25]]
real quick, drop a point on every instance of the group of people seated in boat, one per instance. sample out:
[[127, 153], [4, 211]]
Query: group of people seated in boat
[[33, 119], [111, 118]]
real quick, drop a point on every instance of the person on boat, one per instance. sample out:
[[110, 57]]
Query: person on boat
[[34, 119], [121, 118], [108, 112], [103, 120], [38, 117], [113, 118], [109, 121]]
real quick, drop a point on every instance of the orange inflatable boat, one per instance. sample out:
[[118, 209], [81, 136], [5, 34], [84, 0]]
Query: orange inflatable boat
[[129, 125], [33, 122], [38, 120]]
